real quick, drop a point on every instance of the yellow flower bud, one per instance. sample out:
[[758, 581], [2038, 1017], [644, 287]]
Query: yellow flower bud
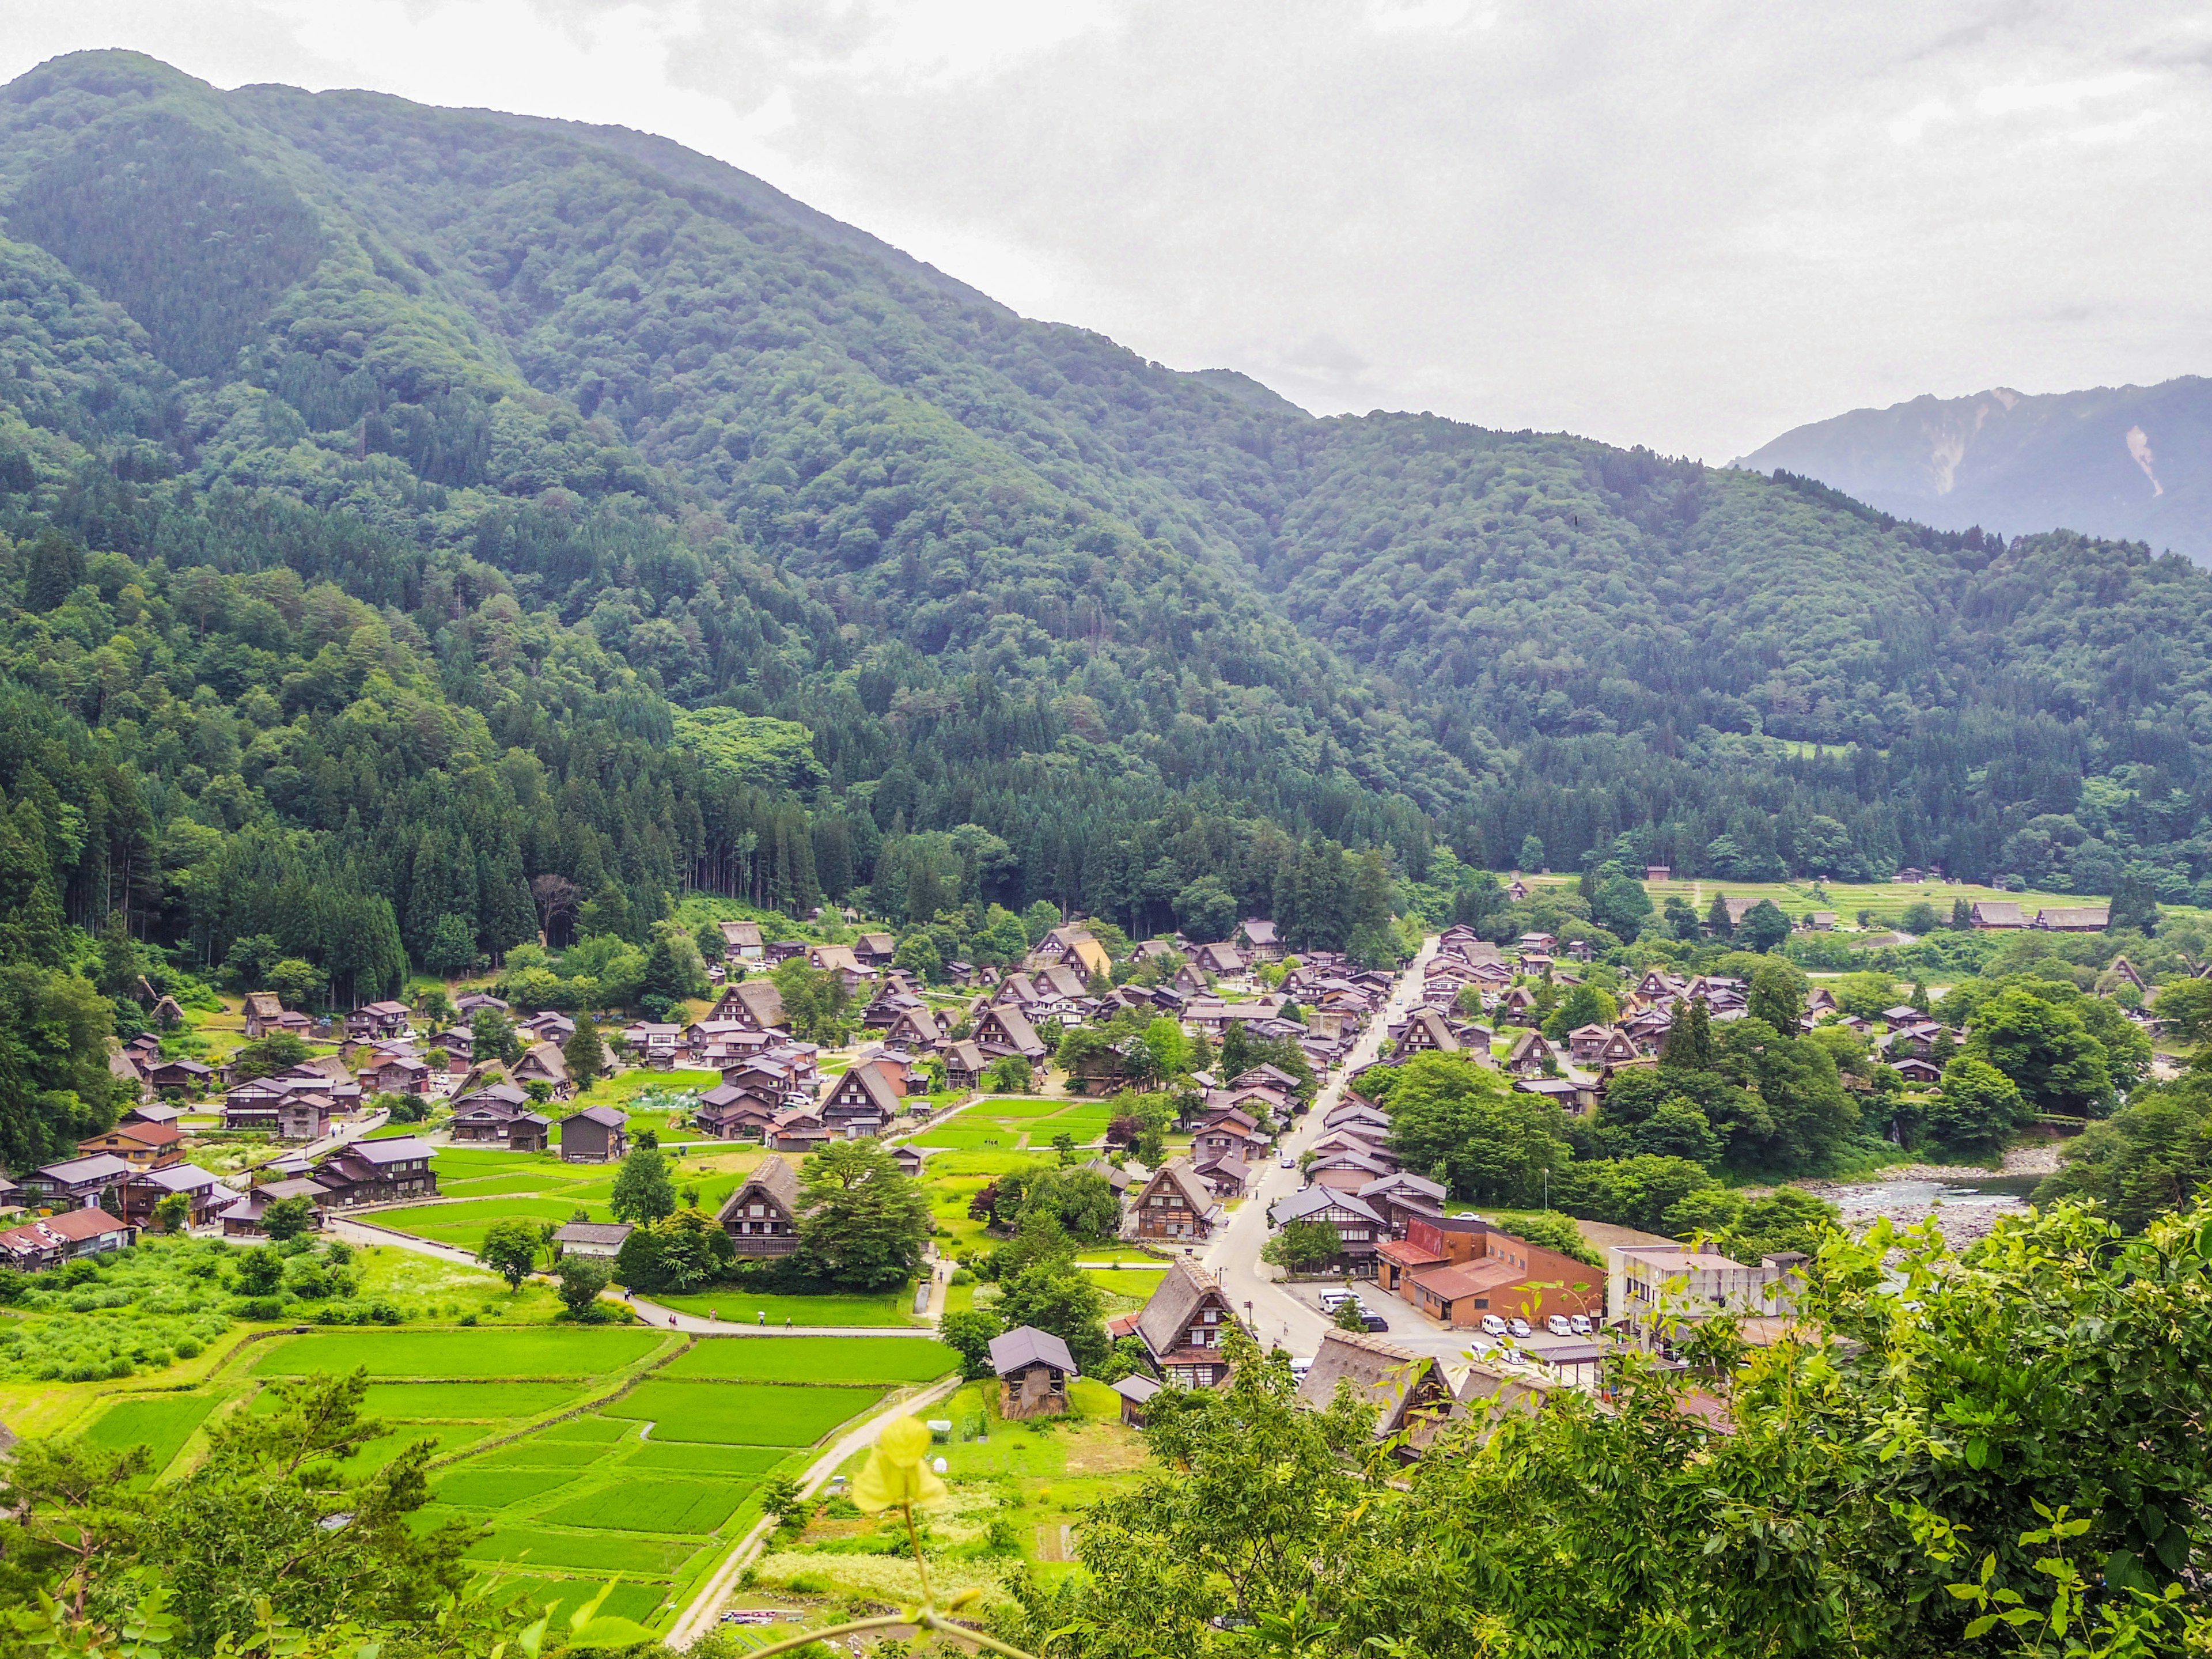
[[896, 1475]]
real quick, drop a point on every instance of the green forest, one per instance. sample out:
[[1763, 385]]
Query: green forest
[[422, 529]]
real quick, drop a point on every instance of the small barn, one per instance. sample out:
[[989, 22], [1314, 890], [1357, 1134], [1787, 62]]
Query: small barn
[[1034, 1368]]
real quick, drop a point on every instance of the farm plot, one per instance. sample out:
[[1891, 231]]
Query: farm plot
[[741, 1413], [464, 1402], [464, 1224], [533, 1354], [653, 1506], [591, 1551], [496, 1488], [814, 1359], [161, 1423]]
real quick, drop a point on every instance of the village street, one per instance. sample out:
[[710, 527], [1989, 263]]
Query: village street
[[1272, 1309]]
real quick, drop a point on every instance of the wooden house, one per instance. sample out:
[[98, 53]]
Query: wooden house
[[378, 1019], [141, 1146], [1175, 1206], [1183, 1325], [751, 1005], [543, 1063], [861, 1103], [377, 1172], [243, 1218], [964, 1065], [1357, 1223], [595, 1134], [762, 1217], [1408, 1391], [1003, 1030]]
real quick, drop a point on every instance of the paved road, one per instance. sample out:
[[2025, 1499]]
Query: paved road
[[706, 1608], [1275, 1312]]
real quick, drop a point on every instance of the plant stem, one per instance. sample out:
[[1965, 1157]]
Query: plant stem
[[791, 1644]]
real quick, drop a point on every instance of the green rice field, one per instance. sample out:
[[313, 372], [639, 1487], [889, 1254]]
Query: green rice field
[[741, 1413], [815, 1359], [653, 1485], [162, 1423], [462, 1353]]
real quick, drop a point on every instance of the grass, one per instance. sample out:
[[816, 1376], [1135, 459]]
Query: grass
[[1040, 1482], [691, 1457], [693, 1506], [464, 1402], [739, 1307], [1138, 1282], [563, 1596], [427, 1287], [458, 1354], [161, 1423], [463, 1223], [448, 1439], [486, 1488], [741, 1413], [815, 1359], [646, 1557], [537, 1452]]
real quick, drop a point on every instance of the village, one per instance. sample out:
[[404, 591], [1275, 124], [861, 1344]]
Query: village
[[1222, 1116]]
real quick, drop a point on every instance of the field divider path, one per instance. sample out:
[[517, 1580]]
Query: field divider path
[[699, 1618]]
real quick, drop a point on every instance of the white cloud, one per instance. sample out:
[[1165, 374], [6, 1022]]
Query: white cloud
[[1690, 226]]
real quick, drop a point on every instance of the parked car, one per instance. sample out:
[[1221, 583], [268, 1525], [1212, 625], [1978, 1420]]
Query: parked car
[[1492, 1325], [1331, 1300], [1288, 1161], [1580, 1324], [1374, 1322], [1299, 1368], [1557, 1324], [1519, 1327]]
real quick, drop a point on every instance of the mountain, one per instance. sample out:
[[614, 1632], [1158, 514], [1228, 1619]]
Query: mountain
[[422, 527], [2132, 463]]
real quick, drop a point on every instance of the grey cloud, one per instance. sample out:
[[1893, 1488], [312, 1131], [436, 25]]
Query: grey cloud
[[1693, 225]]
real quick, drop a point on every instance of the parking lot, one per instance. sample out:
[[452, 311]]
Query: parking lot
[[1407, 1328]]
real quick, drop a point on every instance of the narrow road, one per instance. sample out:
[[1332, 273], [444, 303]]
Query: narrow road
[[1233, 1255], [705, 1607]]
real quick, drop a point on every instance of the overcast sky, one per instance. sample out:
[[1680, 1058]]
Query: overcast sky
[[1690, 225]]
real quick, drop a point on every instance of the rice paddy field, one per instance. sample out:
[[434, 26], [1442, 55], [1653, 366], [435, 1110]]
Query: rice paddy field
[[1013, 1123], [578, 1454]]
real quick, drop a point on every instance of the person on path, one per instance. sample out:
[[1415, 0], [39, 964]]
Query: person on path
[[713, 1317], [763, 1316], [787, 1322]]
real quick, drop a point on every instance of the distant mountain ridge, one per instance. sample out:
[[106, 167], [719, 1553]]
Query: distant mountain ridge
[[2130, 462], [440, 459]]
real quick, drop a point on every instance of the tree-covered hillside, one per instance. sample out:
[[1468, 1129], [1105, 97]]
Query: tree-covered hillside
[[379, 481]]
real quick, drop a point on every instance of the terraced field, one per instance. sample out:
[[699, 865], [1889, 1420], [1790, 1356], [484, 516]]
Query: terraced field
[[625, 1452]]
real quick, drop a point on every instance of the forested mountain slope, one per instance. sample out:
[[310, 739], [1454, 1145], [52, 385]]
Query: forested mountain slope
[[2121, 461], [377, 477]]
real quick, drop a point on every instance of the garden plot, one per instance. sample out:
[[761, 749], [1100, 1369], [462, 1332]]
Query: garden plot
[[653, 1506], [497, 1488], [814, 1359], [533, 1354], [741, 1413], [161, 1423]]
